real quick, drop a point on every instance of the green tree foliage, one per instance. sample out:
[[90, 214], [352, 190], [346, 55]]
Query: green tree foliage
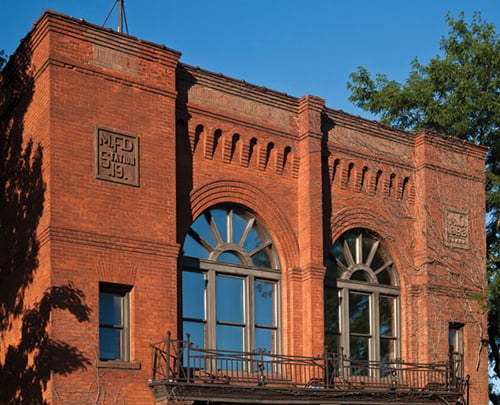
[[456, 93]]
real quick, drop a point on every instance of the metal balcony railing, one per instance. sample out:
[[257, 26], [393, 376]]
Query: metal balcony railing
[[185, 372]]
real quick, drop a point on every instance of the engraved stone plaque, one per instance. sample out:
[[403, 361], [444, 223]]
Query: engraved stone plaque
[[457, 229], [117, 157]]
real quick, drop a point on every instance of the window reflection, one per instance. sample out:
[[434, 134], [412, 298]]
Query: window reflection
[[113, 322], [231, 236], [264, 340], [361, 289], [386, 316], [193, 295], [229, 297], [230, 337], [359, 315], [239, 226], [229, 257], [264, 303]]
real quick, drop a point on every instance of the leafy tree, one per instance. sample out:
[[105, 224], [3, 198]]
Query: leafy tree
[[456, 93], [3, 60]]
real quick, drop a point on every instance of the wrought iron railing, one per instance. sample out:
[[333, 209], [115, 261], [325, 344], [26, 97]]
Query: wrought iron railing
[[180, 362]]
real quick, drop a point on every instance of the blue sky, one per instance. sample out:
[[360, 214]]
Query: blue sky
[[295, 46]]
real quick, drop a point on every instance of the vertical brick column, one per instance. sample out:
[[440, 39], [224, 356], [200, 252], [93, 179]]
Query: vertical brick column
[[310, 222]]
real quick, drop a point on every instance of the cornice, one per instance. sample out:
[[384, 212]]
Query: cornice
[[83, 30], [110, 77], [240, 88], [449, 172], [370, 127], [408, 138], [334, 148], [452, 143]]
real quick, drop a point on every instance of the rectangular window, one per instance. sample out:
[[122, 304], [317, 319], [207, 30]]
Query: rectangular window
[[114, 318], [456, 348], [455, 338]]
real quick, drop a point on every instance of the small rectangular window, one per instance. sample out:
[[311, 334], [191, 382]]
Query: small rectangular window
[[455, 338], [114, 317]]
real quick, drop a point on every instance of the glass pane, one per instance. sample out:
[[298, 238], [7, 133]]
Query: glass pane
[[193, 295], [261, 258], [109, 343], [201, 227], [220, 217], [452, 332], [264, 340], [193, 249], [229, 299], [110, 308], [350, 238], [331, 310], [196, 331], [360, 275], [239, 225], [367, 246], [230, 337], [252, 241], [192, 356], [386, 309], [359, 348], [264, 303], [384, 277], [387, 349], [229, 257], [359, 313], [378, 261]]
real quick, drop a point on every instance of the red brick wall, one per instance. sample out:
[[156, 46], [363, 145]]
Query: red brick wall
[[308, 173]]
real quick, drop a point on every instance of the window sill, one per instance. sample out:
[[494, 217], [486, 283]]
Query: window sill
[[118, 364]]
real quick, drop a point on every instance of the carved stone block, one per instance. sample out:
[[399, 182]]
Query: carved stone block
[[117, 157], [457, 229]]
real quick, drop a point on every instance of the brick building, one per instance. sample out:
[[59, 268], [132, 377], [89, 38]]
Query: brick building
[[271, 249]]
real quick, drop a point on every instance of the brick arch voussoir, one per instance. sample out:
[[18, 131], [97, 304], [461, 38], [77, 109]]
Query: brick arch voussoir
[[266, 210]]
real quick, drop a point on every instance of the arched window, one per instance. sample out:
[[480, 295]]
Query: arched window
[[361, 298], [230, 283]]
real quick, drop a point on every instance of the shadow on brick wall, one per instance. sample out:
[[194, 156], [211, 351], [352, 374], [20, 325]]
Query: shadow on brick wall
[[28, 356]]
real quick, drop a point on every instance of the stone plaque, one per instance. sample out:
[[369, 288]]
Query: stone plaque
[[457, 229], [117, 157]]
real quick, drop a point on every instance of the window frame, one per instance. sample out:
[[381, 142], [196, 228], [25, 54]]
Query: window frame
[[123, 292], [249, 275], [223, 238], [344, 286]]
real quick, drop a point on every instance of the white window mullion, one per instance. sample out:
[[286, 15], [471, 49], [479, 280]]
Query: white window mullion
[[249, 303], [210, 332], [375, 326]]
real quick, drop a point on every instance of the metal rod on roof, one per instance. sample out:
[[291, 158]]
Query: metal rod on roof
[[122, 18], [120, 15]]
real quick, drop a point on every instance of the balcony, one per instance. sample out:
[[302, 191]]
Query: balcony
[[183, 372]]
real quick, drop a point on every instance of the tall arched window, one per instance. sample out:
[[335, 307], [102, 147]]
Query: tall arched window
[[362, 298], [230, 283]]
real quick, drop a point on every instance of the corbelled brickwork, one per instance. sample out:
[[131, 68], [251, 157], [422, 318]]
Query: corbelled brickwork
[[183, 140]]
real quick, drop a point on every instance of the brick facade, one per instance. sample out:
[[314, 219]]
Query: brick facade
[[307, 172]]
